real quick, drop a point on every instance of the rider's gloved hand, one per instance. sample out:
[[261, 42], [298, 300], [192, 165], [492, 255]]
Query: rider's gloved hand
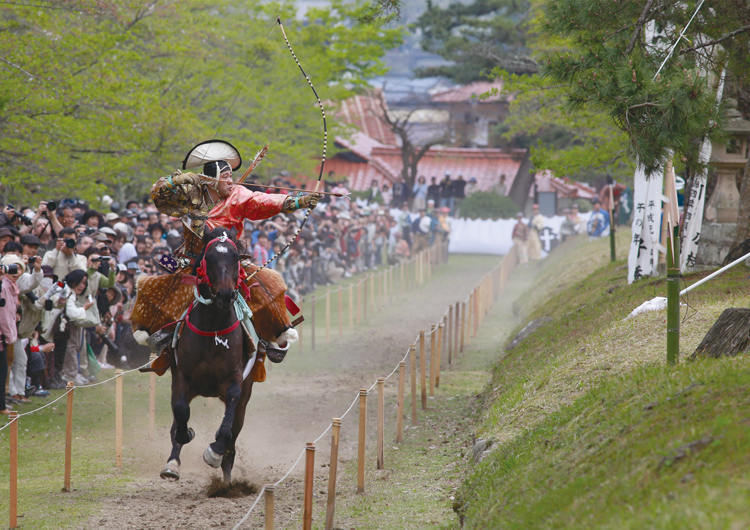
[[310, 200], [186, 180]]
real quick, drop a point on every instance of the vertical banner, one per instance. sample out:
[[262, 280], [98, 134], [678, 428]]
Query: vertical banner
[[644, 246], [692, 226], [694, 202]]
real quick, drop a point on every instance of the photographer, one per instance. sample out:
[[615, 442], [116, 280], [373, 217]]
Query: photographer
[[80, 310], [8, 307], [63, 259]]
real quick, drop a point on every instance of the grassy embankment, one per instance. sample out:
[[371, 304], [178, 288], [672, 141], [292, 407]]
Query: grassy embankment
[[591, 428]]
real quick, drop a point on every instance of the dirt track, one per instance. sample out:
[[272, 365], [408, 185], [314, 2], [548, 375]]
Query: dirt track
[[294, 406]]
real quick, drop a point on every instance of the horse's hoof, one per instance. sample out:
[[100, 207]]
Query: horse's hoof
[[211, 458], [171, 471]]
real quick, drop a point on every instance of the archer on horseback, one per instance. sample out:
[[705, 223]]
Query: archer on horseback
[[210, 200]]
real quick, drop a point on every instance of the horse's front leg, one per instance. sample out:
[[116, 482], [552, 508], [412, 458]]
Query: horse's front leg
[[215, 451], [180, 432], [227, 463]]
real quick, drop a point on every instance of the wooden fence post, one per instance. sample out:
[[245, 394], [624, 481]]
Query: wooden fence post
[[152, 401], [68, 437], [118, 418], [381, 423], [359, 302], [432, 359], [312, 324], [351, 306], [13, 508], [328, 317], [362, 440], [439, 359], [341, 314], [423, 370], [475, 322], [463, 326], [309, 476], [456, 327], [299, 329], [332, 468], [413, 370], [449, 335], [400, 408], [366, 295], [269, 505]]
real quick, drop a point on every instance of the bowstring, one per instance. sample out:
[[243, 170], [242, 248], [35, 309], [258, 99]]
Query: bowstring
[[323, 160]]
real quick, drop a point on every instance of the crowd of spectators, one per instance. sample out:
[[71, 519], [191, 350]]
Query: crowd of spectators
[[68, 273]]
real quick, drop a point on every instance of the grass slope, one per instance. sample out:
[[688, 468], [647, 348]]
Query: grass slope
[[591, 429]]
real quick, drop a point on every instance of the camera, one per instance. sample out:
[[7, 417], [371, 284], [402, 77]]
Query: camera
[[97, 259], [51, 206], [9, 269], [32, 260], [70, 242], [25, 219], [48, 305], [31, 296]]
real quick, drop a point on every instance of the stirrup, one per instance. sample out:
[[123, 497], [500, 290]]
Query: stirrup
[[159, 365]]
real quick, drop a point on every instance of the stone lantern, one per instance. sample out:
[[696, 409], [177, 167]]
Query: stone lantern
[[729, 158]]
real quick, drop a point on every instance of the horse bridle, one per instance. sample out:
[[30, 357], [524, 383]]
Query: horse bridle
[[202, 272]]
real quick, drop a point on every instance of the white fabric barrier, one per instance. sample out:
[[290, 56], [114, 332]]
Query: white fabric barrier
[[487, 236]]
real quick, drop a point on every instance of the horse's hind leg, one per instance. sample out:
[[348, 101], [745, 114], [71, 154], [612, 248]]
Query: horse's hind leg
[[180, 432], [215, 451], [227, 463]]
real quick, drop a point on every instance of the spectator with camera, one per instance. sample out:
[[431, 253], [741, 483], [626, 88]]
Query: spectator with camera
[[9, 274], [81, 313], [63, 258]]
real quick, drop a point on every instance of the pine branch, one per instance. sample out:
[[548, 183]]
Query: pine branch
[[716, 41], [638, 26]]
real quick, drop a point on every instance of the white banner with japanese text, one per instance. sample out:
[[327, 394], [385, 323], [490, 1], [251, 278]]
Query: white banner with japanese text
[[644, 245]]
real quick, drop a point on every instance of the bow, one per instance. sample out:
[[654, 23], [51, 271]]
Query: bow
[[325, 145]]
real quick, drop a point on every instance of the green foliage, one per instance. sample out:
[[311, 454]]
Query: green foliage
[[485, 204], [106, 99], [476, 37], [609, 67]]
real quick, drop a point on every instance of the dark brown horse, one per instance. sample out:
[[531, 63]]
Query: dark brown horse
[[212, 355]]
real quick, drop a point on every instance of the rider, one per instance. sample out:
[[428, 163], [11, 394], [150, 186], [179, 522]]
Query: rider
[[215, 199]]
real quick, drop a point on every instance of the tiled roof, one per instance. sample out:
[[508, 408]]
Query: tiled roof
[[384, 163], [564, 187], [362, 112], [465, 93]]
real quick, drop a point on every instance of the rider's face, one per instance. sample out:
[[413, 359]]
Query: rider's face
[[225, 183]]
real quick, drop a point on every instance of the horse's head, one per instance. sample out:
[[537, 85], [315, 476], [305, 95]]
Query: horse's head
[[221, 265]]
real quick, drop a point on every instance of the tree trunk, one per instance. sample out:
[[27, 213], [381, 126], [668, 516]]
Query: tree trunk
[[729, 336]]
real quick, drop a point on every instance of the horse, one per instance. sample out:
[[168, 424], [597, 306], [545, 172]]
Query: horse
[[214, 353]]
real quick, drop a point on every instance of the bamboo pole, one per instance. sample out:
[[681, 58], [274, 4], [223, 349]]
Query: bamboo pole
[[341, 314], [68, 437], [673, 297], [268, 495], [400, 409], [423, 370], [13, 504], [361, 441], [448, 335], [351, 306], [328, 317], [152, 401], [312, 324], [309, 476], [381, 423], [332, 468], [413, 374], [118, 418], [439, 359]]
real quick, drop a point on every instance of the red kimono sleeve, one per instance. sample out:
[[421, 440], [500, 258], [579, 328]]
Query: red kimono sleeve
[[244, 204]]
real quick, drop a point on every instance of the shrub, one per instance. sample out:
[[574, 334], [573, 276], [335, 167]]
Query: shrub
[[484, 204]]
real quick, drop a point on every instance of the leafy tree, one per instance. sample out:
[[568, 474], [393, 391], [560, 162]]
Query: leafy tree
[[106, 96], [663, 100], [485, 204], [477, 37]]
